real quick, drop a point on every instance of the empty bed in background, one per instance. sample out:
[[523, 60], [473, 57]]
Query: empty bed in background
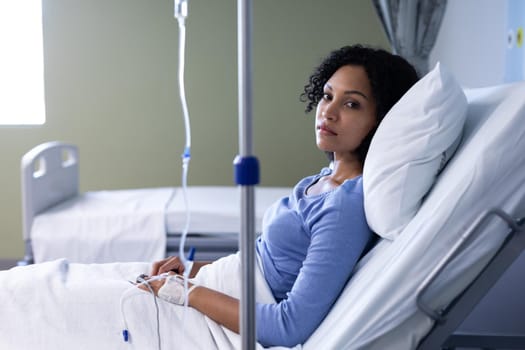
[[122, 225]]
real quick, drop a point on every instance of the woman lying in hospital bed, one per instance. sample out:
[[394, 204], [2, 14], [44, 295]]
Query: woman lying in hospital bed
[[311, 242], [312, 239]]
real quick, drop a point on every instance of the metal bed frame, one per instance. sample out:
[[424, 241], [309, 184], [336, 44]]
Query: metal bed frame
[[447, 320]]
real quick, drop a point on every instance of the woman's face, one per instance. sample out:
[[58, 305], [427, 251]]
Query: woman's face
[[346, 113]]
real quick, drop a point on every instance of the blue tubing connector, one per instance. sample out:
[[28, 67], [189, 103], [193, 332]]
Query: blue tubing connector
[[246, 170], [186, 154], [191, 255]]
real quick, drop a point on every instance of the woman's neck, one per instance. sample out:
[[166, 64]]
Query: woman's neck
[[343, 170]]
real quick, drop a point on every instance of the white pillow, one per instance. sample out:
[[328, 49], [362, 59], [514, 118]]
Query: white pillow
[[412, 144]]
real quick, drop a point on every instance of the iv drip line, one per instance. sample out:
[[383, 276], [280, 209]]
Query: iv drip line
[[180, 13]]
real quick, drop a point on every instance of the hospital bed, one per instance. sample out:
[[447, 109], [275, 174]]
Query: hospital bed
[[413, 290], [409, 292], [123, 225]]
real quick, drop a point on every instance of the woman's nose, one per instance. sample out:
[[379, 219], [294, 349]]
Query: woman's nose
[[330, 112]]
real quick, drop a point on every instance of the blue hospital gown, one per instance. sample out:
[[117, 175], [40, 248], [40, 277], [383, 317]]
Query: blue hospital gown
[[308, 248]]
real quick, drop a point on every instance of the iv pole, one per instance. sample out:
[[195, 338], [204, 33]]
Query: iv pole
[[246, 169]]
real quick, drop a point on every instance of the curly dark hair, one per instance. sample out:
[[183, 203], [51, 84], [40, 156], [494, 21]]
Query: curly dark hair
[[390, 77]]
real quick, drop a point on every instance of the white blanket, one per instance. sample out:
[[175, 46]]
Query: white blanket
[[104, 226], [61, 305]]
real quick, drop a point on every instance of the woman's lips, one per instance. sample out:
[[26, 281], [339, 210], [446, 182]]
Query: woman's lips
[[323, 129]]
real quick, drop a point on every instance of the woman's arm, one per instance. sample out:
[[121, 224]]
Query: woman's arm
[[220, 307]]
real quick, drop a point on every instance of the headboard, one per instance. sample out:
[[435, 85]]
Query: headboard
[[40, 190]]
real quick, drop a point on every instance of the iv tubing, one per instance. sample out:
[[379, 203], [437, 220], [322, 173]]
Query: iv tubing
[[124, 297], [180, 13]]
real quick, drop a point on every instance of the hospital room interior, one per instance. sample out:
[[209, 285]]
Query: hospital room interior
[[112, 108]]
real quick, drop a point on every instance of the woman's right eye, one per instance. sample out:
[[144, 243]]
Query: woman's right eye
[[327, 97]]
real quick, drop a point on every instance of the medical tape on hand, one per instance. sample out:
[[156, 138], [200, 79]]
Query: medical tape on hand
[[173, 290]]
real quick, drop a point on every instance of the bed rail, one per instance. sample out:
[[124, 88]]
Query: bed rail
[[450, 317]]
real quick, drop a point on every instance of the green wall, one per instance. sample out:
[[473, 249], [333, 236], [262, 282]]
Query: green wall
[[111, 88]]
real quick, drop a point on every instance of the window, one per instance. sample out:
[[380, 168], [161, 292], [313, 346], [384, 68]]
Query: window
[[21, 63]]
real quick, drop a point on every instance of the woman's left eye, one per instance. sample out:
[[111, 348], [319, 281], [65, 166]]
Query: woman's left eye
[[352, 104]]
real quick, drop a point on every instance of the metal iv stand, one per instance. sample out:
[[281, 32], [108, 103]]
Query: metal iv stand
[[246, 171]]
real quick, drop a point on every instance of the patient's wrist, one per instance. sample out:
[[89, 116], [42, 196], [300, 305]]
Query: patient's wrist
[[173, 290]]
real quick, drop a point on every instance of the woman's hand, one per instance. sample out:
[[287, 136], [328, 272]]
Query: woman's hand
[[171, 288], [155, 286], [220, 307], [173, 263]]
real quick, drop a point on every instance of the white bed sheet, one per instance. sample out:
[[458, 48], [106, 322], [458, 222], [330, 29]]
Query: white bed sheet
[[131, 225], [103, 226], [216, 209]]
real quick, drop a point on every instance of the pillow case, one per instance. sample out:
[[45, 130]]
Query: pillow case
[[412, 144]]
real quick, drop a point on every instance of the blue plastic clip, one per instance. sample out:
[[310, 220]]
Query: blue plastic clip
[[191, 254], [246, 170], [186, 153], [125, 334]]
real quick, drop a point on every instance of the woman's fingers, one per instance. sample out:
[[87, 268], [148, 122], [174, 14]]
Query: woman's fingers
[[156, 266], [154, 285], [166, 265], [174, 264]]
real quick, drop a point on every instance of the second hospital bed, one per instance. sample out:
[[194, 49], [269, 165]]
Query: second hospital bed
[[123, 225], [408, 292]]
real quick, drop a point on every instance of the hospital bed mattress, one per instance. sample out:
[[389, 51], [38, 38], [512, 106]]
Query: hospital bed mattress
[[124, 225]]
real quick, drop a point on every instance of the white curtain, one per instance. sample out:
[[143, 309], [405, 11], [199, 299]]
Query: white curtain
[[412, 27]]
